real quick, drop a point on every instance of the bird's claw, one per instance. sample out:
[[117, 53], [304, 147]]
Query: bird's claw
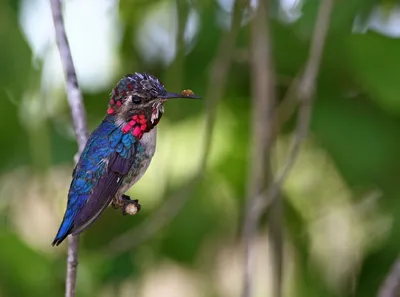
[[131, 207], [127, 205]]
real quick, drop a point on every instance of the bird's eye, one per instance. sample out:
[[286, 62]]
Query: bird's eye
[[136, 99]]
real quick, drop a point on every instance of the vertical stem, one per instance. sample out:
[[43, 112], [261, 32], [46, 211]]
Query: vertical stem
[[72, 266], [78, 113], [305, 90], [219, 75], [263, 87], [74, 94]]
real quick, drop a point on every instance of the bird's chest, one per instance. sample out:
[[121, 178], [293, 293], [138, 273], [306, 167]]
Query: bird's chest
[[144, 154]]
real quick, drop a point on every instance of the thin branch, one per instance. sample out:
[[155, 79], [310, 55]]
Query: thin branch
[[264, 100], [306, 89], [391, 285], [215, 91], [72, 266], [219, 74], [73, 92], [79, 121], [305, 92]]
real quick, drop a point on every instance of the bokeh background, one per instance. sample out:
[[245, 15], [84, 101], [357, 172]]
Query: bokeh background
[[341, 201]]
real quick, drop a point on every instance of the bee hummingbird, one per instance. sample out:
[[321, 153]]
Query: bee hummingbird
[[117, 153]]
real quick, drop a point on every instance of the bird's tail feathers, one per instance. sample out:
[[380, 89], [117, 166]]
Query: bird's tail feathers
[[64, 230], [68, 222]]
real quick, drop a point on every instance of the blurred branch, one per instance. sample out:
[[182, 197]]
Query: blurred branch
[[264, 100], [305, 91], [215, 91], [305, 87], [391, 285], [219, 74], [79, 121], [287, 106]]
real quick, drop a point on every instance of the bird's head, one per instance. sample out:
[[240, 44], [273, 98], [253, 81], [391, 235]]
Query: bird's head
[[139, 98]]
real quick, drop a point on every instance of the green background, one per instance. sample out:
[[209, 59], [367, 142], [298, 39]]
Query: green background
[[341, 201]]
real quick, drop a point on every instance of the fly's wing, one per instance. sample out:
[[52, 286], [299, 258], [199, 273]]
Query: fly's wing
[[110, 177]]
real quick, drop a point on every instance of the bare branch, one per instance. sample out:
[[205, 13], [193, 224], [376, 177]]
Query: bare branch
[[219, 74], [215, 91], [264, 97], [391, 285], [79, 121], [74, 95], [72, 266], [305, 94], [305, 91]]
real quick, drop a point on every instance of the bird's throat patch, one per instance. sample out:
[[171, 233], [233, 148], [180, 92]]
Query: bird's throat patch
[[137, 126]]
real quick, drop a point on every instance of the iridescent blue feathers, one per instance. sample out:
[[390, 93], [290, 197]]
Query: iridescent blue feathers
[[106, 159]]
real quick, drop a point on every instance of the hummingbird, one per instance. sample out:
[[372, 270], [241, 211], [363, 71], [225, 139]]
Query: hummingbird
[[117, 153]]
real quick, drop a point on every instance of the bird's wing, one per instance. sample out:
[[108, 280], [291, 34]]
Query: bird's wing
[[106, 159]]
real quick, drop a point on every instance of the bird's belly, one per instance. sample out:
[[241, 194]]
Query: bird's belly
[[142, 161]]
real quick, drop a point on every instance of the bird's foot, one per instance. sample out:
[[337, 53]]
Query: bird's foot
[[131, 207], [127, 205]]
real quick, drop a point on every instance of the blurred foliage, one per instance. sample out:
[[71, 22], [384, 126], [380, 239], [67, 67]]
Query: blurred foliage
[[341, 236]]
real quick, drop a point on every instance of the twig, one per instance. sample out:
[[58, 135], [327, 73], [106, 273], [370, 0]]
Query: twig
[[79, 121], [391, 285], [72, 266], [219, 74], [305, 92], [73, 92], [215, 91], [264, 98]]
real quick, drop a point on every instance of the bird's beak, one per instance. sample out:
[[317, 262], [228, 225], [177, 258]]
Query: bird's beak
[[183, 95]]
